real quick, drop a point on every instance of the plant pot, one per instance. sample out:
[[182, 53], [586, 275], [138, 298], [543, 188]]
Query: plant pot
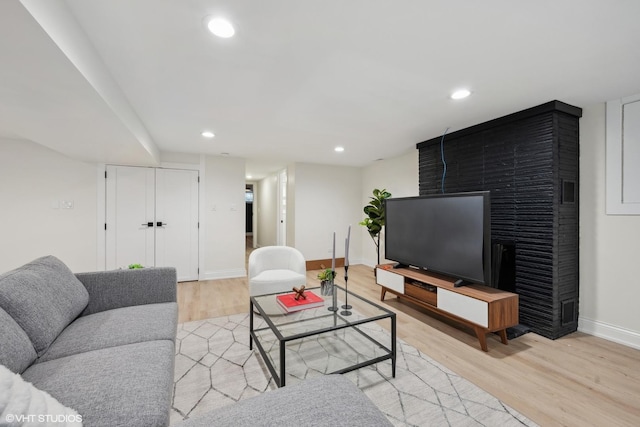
[[326, 287]]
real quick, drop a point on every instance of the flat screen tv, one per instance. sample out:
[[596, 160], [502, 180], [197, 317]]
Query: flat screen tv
[[448, 234]]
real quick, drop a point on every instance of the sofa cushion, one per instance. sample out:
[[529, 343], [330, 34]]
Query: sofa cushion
[[20, 398], [128, 385], [329, 400], [16, 350], [111, 328], [43, 297]]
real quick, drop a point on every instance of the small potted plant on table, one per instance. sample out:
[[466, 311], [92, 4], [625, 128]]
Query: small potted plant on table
[[326, 277]]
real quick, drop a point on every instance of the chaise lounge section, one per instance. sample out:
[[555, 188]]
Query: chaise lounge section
[[330, 400]]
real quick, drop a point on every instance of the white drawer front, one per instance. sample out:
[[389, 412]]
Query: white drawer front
[[473, 310], [390, 280]]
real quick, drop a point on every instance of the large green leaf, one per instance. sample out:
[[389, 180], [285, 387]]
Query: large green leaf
[[375, 212], [375, 219]]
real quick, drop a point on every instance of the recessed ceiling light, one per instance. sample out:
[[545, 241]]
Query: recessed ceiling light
[[221, 27], [338, 149], [459, 94], [249, 177], [208, 134]]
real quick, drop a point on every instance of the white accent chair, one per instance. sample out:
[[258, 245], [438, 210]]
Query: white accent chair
[[276, 269]]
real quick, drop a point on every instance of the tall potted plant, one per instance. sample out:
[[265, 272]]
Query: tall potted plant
[[375, 217]]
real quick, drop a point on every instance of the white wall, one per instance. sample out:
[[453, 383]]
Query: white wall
[[609, 246], [171, 158], [224, 218], [399, 176], [34, 181], [327, 199], [267, 203]]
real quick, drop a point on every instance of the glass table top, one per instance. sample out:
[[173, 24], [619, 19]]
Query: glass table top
[[317, 320]]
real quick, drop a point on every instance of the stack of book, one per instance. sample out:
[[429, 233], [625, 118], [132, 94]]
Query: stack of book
[[290, 304]]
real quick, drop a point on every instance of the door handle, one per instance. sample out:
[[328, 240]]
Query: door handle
[[148, 224], [161, 224]]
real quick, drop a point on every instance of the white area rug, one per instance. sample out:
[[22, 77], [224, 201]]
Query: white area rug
[[214, 368]]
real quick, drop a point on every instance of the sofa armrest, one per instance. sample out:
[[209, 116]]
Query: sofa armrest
[[124, 288]]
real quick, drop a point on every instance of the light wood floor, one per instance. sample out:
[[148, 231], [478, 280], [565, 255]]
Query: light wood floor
[[578, 380]]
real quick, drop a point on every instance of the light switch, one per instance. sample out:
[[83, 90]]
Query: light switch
[[55, 204]]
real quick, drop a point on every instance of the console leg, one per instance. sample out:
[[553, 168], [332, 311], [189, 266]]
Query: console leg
[[503, 336], [482, 337], [383, 291]]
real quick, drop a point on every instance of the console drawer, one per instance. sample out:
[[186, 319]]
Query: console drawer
[[468, 308], [389, 280]]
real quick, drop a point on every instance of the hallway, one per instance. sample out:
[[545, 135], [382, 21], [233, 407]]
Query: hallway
[[248, 249]]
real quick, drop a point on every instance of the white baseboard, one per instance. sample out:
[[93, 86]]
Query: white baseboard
[[224, 274], [609, 332]]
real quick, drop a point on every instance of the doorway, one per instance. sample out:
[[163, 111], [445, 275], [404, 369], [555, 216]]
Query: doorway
[[249, 196]]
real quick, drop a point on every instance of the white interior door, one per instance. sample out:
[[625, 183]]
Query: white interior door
[[130, 236], [152, 219], [282, 208], [177, 221]]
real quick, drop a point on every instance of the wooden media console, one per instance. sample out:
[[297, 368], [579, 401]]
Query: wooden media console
[[482, 308]]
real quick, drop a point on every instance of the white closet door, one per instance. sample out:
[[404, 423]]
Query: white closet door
[[152, 219], [177, 221], [130, 236]]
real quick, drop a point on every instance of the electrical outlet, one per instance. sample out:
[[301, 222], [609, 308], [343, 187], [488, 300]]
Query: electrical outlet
[[67, 204]]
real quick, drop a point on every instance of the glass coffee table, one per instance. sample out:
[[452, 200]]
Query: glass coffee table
[[322, 340]]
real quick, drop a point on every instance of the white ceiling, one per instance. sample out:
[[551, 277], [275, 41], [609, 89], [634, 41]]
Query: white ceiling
[[118, 81]]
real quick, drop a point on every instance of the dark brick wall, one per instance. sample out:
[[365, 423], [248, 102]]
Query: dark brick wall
[[523, 159]]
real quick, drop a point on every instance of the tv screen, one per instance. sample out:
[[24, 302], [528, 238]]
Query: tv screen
[[448, 234]]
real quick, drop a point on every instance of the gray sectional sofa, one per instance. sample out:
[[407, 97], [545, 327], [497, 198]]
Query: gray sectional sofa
[[103, 344], [330, 400]]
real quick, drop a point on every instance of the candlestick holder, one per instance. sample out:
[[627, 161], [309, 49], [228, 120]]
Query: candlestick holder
[[346, 305], [334, 293]]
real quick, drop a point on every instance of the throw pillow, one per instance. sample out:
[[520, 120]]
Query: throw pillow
[[43, 297]]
